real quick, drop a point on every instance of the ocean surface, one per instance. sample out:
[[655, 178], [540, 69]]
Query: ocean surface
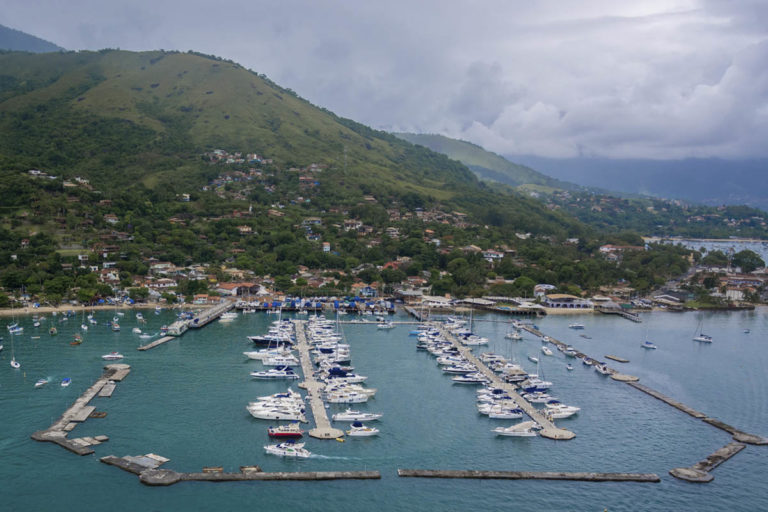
[[185, 400]]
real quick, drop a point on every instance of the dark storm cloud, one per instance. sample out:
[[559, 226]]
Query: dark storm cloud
[[660, 79]]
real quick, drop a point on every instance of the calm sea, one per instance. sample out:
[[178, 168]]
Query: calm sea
[[186, 401]]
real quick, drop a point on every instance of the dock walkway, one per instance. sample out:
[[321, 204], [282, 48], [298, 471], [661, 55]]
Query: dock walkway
[[323, 429], [155, 343], [549, 430]]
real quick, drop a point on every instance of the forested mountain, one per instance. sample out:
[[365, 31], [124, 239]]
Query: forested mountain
[[16, 40], [485, 164]]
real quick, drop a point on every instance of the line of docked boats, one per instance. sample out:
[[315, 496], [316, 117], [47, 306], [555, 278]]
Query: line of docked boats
[[495, 402]]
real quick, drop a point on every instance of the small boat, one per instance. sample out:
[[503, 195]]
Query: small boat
[[747, 331], [647, 344], [15, 363], [350, 415], [66, 381], [112, 356], [279, 372], [41, 382], [546, 351], [78, 340], [228, 316], [360, 430], [385, 325], [704, 338], [139, 316], [288, 449], [514, 335], [522, 429], [569, 367], [115, 326], [292, 430], [602, 369], [52, 331], [576, 326], [533, 359], [136, 330]]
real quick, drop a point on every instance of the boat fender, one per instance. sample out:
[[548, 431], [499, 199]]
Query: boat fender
[[339, 439]]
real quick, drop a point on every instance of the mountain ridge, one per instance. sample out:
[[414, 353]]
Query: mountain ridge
[[16, 40]]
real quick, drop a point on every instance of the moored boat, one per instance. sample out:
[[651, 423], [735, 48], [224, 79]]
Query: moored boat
[[66, 381], [292, 430], [647, 344], [522, 429], [41, 382], [359, 430], [288, 449], [112, 356], [350, 415]]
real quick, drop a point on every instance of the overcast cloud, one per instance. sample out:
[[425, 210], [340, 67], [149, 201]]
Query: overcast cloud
[[651, 79]]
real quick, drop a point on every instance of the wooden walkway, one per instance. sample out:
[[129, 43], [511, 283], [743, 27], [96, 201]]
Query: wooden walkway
[[323, 429], [549, 430]]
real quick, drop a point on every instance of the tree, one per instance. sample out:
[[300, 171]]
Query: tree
[[749, 261]]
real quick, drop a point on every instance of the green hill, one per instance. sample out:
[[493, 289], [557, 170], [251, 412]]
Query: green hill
[[125, 120], [16, 40], [485, 164]]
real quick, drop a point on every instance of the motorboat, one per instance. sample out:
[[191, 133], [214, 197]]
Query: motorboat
[[576, 326], [139, 316], [470, 378], [513, 335], [228, 316], [506, 413], [569, 351], [66, 381], [557, 410], [288, 449], [385, 325], [546, 351], [136, 330], [280, 360], [602, 369], [533, 359], [537, 397], [350, 415], [115, 326], [276, 412], [112, 356], [569, 367], [647, 344], [359, 430], [41, 382], [522, 429], [704, 338], [53, 331], [292, 430], [278, 372]]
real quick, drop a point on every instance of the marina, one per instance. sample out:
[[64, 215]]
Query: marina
[[425, 424]]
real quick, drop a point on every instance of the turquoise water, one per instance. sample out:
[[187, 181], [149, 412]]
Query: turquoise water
[[186, 400]]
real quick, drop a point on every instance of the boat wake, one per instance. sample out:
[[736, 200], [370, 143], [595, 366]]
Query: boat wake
[[332, 457]]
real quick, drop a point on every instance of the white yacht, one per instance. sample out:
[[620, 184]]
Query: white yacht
[[513, 335], [359, 430], [557, 410], [278, 372], [522, 429], [112, 356], [546, 351], [288, 450], [350, 415]]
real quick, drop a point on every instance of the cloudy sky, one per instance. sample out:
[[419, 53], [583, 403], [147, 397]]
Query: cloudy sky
[[650, 79]]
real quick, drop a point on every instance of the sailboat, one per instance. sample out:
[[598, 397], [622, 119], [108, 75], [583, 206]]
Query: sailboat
[[14, 362], [704, 338]]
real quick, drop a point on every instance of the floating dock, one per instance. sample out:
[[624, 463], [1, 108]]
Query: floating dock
[[323, 429], [147, 467], [549, 429], [79, 412], [530, 475]]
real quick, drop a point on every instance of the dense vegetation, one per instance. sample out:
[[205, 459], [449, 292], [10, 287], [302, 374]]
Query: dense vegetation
[[125, 145]]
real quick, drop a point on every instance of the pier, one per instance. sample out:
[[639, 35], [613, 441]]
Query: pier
[[549, 429], [80, 411], [530, 475], [156, 343], [323, 429], [147, 467], [210, 314], [700, 472], [613, 311]]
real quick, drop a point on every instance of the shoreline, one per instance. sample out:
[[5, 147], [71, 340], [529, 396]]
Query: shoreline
[[70, 307]]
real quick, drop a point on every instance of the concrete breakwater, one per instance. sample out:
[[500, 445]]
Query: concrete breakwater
[[80, 411], [147, 467], [530, 475]]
